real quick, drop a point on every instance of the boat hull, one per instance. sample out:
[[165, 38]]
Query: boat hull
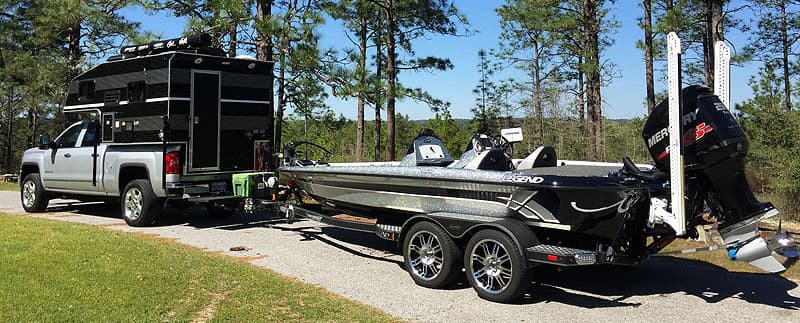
[[594, 205]]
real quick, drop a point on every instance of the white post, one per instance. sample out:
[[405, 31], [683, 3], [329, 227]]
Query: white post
[[678, 222], [722, 72]]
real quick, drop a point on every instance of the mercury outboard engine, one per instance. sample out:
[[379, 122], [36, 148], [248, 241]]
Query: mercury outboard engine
[[714, 151]]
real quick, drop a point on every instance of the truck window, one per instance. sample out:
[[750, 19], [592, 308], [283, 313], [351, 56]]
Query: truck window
[[90, 136], [70, 137]]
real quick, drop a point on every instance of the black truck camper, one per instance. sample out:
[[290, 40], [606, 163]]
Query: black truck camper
[[183, 93]]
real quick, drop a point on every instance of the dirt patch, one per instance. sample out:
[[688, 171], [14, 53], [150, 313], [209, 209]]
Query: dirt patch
[[207, 313], [108, 225]]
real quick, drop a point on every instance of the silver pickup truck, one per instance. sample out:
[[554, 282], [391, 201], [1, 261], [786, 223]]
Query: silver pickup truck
[[75, 165], [166, 121]]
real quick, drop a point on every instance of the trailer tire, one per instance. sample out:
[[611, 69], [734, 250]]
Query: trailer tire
[[32, 194], [140, 206], [496, 266], [435, 262]]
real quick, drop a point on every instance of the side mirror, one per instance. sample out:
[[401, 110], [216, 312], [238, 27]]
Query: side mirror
[[44, 141]]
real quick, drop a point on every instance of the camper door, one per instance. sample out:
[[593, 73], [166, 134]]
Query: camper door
[[204, 118]]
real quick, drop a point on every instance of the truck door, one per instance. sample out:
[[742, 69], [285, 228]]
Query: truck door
[[205, 116], [58, 160], [83, 168]]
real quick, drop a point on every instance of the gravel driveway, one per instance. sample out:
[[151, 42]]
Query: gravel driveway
[[363, 267]]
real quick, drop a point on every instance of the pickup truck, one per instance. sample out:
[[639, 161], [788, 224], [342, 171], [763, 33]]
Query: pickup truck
[[77, 165]]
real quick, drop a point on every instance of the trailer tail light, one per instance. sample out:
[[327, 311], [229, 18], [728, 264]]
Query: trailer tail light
[[173, 163]]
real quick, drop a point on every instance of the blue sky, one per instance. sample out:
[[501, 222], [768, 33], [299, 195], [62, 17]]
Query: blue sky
[[623, 98]]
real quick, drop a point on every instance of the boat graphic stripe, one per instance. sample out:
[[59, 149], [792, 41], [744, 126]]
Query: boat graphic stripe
[[579, 209]]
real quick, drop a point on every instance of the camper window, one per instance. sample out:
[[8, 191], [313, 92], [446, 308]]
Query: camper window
[[108, 127], [86, 90], [137, 91]]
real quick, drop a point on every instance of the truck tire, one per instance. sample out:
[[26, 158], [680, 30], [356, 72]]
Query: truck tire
[[140, 206], [430, 255], [496, 267], [32, 194]]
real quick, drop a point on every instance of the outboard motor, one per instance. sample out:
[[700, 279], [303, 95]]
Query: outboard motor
[[714, 154], [714, 149]]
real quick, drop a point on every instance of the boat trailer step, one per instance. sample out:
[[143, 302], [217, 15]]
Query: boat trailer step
[[562, 256]]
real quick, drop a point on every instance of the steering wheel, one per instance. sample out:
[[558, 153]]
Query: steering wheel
[[290, 154]]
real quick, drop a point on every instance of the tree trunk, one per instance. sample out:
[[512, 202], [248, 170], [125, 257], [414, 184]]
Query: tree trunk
[[593, 98], [648, 55], [391, 78], [787, 85], [582, 97], [10, 142], [537, 95], [378, 98], [74, 48], [232, 41], [362, 75], [712, 35]]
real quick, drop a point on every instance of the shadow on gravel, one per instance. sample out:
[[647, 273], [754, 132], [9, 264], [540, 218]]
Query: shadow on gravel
[[588, 287], [660, 276]]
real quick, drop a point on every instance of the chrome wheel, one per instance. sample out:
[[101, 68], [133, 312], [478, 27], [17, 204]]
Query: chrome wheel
[[134, 203], [490, 266], [425, 255], [29, 194]]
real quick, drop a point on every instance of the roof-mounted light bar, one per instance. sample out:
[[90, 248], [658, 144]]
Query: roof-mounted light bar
[[190, 42]]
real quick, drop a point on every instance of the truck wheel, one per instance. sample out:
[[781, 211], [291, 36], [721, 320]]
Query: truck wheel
[[33, 196], [140, 207], [430, 255], [496, 266]]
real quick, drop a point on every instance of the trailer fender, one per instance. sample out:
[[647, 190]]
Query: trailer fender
[[463, 225]]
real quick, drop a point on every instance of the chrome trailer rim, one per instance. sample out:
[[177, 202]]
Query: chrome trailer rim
[[490, 266], [29, 194], [133, 203], [425, 255]]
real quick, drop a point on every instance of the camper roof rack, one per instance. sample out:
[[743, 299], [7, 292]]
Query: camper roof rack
[[200, 44]]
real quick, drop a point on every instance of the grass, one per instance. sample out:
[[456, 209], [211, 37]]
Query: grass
[[9, 186], [56, 271], [720, 258]]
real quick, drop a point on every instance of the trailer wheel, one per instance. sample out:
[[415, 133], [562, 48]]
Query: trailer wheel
[[430, 255], [32, 194], [495, 266], [140, 206]]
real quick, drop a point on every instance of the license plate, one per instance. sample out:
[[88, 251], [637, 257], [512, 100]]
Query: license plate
[[217, 186]]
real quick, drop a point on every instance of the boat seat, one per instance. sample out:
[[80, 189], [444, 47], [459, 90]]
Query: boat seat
[[544, 156], [492, 159], [426, 150]]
